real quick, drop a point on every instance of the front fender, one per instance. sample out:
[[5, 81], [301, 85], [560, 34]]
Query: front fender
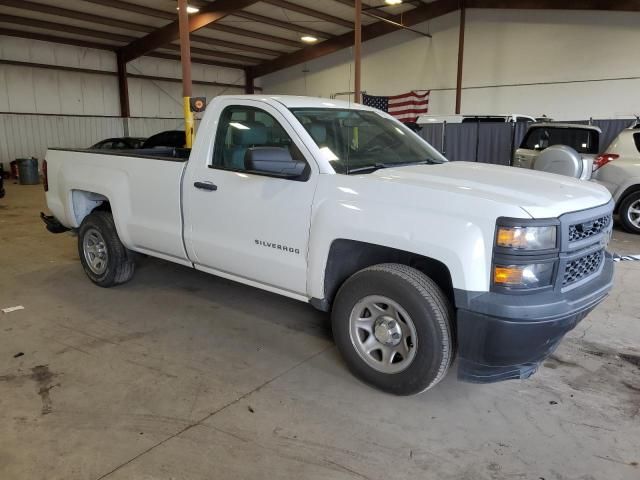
[[454, 240]]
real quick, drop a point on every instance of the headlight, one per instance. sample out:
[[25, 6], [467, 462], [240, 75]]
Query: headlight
[[527, 238], [532, 275]]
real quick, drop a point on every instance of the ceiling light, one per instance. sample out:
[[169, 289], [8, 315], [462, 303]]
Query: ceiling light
[[190, 9], [308, 39], [393, 2]]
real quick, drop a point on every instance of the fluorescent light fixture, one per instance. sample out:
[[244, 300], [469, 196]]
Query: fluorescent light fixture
[[308, 39], [239, 126], [190, 9], [393, 2]]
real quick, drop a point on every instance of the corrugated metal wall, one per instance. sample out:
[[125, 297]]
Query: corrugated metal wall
[[24, 136], [31, 135]]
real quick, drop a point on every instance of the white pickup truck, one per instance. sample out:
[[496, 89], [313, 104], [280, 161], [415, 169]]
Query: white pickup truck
[[341, 206]]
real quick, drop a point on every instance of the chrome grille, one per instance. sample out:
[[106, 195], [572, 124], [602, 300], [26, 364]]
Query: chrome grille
[[580, 231], [582, 267]]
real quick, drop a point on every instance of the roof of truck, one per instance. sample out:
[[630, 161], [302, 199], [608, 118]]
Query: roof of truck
[[299, 101]]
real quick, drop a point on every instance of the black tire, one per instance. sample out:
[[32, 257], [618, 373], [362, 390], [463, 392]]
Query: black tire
[[623, 211], [120, 264], [430, 312]]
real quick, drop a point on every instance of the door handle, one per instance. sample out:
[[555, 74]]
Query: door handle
[[206, 186]]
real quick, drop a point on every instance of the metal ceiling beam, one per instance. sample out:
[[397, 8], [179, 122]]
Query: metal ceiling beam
[[114, 37], [152, 12], [170, 33], [607, 5], [113, 22], [285, 25], [374, 30], [366, 8], [61, 27], [76, 15], [216, 53], [215, 42], [108, 47], [292, 7], [54, 39], [203, 61]]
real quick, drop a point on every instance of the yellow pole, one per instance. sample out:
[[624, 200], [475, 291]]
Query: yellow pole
[[188, 122], [185, 57]]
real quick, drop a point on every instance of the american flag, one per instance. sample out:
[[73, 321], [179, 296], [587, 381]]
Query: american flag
[[406, 107]]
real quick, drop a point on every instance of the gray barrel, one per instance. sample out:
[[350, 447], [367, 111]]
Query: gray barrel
[[28, 171]]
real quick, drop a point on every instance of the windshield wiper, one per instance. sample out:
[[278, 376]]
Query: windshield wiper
[[378, 166]]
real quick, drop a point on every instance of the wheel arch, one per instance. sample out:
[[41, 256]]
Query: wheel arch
[[84, 202], [628, 191], [347, 257]]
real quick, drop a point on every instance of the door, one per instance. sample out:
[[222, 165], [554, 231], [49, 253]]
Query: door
[[246, 224]]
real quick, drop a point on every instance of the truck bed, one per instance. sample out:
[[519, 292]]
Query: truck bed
[[144, 186]]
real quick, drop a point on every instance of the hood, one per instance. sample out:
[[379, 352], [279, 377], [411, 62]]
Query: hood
[[540, 194]]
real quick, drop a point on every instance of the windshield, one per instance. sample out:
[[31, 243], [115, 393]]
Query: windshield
[[357, 141]]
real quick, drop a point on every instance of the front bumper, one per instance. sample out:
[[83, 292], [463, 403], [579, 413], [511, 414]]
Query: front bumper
[[503, 336]]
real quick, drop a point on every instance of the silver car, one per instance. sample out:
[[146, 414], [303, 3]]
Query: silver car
[[618, 169], [575, 147]]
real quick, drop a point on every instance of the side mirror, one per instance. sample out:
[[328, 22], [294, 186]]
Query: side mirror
[[274, 161]]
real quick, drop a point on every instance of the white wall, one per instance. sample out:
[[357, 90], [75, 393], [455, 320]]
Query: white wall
[[42, 108], [37, 90], [569, 53]]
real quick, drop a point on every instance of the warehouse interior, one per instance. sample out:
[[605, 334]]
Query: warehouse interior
[[186, 370]]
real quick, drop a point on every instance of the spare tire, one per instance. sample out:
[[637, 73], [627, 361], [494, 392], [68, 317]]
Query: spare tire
[[560, 159]]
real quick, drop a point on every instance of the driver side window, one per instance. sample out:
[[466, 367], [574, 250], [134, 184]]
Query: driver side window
[[242, 128]]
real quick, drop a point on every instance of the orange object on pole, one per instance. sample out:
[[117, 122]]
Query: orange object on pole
[[357, 49], [185, 59]]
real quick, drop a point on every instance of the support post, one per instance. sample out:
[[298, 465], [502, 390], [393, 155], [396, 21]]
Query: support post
[[249, 85], [460, 56], [185, 59], [357, 50], [123, 87]]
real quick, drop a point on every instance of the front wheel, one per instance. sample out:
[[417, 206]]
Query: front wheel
[[105, 260], [392, 325], [630, 213]]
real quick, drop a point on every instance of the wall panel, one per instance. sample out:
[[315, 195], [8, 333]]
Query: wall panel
[[566, 64], [31, 135]]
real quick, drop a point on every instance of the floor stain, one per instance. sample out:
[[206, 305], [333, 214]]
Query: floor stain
[[632, 359], [43, 378]]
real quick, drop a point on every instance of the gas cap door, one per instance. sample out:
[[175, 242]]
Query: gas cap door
[[560, 159]]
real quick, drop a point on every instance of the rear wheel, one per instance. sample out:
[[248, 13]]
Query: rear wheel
[[391, 324], [105, 260], [630, 213]]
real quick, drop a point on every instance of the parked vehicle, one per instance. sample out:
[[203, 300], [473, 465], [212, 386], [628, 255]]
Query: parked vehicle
[[618, 169], [502, 118], [120, 143], [342, 206], [170, 138], [538, 150]]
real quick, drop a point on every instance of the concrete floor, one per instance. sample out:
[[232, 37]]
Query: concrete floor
[[181, 375]]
